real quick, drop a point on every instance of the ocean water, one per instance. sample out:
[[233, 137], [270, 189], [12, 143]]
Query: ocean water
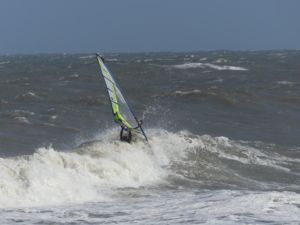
[[223, 129]]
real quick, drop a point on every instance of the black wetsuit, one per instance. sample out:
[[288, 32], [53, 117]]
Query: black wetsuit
[[125, 134]]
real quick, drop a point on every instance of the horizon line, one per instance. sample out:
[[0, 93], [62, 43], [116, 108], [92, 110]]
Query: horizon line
[[149, 52]]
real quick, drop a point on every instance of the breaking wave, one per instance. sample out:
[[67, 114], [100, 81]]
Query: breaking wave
[[95, 171]]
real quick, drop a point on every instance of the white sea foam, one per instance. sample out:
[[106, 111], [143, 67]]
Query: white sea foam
[[29, 95], [173, 207], [74, 75], [183, 93], [285, 82], [221, 60], [23, 112], [208, 65], [235, 207], [95, 171], [49, 177], [53, 117], [87, 57], [245, 154], [22, 119], [281, 55], [4, 62], [219, 80], [111, 59]]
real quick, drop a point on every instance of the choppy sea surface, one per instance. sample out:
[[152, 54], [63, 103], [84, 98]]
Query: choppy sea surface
[[223, 127]]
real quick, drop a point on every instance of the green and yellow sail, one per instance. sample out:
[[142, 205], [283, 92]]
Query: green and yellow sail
[[122, 113]]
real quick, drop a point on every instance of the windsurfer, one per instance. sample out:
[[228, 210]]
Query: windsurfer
[[123, 114], [125, 134]]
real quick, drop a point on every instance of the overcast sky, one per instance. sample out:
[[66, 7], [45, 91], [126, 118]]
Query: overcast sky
[[47, 26]]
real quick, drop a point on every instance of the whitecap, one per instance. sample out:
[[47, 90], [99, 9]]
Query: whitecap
[[219, 80], [95, 171], [4, 62], [221, 60], [23, 112], [28, 95], [22, 119], [87, 57], [208, 65], [112, 59], [53, 117], [75, 75], [285, 82], [183, 93]]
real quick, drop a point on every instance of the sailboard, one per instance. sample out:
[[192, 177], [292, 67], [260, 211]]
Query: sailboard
[[123, 114]]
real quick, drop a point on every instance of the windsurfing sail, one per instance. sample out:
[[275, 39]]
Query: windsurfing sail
[[123, 115]]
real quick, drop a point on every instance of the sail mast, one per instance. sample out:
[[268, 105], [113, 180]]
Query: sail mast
[[122, 112]]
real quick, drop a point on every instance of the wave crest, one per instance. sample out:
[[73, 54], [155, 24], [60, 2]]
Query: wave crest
[[95, 171]]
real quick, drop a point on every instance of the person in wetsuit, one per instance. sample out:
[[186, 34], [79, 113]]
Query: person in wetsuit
[[125, 134]]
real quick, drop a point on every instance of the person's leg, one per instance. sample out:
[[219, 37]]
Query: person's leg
[[121, 134], [129, 136]]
